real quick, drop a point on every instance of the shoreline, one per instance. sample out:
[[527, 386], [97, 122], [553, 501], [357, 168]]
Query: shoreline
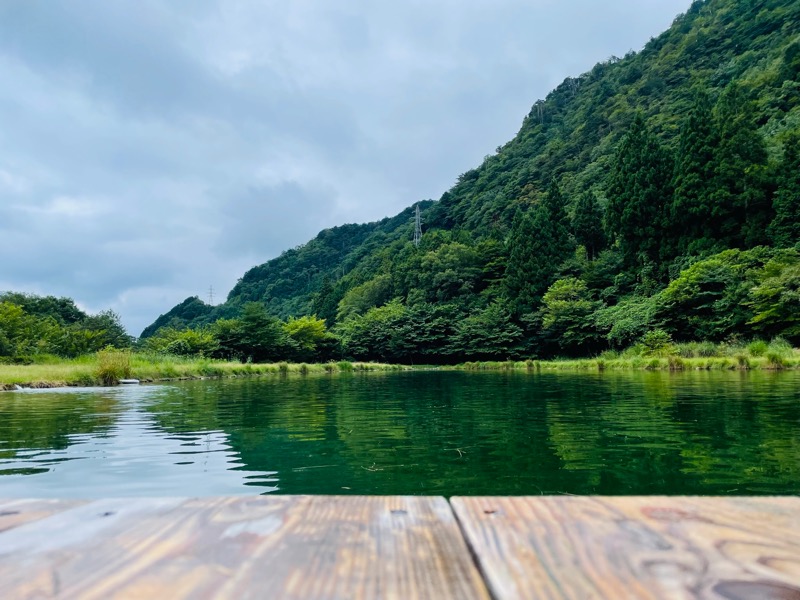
[[86, 371], [83, 372]]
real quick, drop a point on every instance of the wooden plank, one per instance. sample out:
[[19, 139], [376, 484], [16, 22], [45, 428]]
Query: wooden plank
[[17, 512], [635, 547], [251, 547]]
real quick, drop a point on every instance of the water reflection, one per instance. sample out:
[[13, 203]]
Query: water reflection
[[108, 444], [410, 433]]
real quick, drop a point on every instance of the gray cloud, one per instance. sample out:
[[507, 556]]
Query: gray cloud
[[254, 220], [149, 149]]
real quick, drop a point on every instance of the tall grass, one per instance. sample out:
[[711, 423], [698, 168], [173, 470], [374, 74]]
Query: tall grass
[[109, 366], [706, 356], [113, 365]]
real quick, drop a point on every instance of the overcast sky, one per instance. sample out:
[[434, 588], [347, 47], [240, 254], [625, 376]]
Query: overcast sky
[[149, 150]]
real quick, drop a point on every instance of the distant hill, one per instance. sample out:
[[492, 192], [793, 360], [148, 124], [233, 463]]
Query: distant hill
[[722, 80]]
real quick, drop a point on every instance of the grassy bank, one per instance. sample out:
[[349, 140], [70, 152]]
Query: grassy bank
[[696, 356], [107, 368]]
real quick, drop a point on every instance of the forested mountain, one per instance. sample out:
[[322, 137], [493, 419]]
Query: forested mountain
[[659, 191]]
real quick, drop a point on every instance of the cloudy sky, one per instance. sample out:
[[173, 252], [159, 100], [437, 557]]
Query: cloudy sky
[[150, 150]]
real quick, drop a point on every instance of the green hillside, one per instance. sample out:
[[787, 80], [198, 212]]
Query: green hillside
[[656, 194]]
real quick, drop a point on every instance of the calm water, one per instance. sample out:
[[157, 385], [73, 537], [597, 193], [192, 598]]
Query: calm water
[[446, 433]]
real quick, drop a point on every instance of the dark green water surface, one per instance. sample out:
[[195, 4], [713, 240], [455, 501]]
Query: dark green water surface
[[448, 433]]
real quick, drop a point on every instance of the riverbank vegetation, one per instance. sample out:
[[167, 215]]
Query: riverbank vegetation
[[108, 367], [757, 356]]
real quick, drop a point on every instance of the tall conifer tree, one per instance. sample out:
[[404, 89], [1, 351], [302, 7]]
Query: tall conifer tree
[[539, 244], [740, 207], [638, 192], [690, 213], [785, 227], [587, 224]]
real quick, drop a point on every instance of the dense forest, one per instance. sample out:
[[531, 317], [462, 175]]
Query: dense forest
[[656, 196]]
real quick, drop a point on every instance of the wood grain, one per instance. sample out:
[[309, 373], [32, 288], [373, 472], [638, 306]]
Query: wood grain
[[254, 547], [635, 547], [17, 512]]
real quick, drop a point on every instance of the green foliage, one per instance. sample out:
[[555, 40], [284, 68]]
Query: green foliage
[[33, 325], [62, 310], [113, 365], [183, 342], [310, 338], [709, 299], [638, 193], [627, 321], [587, 224], [778, 353], [566, 315], [324, 302], [740, 210], [523, 293], [487, 334], [228, 336], [785, 227], [106, 329], [691, 209], [539, 244], [361, 298], [657, 342], [757, 348], [262, 336], [426, 332], [307, 332], [450, 271], [25, 334], [776, 299], [374, 334]]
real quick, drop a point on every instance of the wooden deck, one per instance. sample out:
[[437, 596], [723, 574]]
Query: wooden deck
[[356, 547]]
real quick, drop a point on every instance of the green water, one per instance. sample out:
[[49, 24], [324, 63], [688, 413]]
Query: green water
[[448, 433]]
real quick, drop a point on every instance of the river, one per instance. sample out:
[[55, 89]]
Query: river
[[427, 432]]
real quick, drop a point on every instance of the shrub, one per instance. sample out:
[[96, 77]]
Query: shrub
[[757, 348], [742, 360], [707, 349], [635, 351], [780, 346], [657, 342], [675, 363], [774, 360], [113, 365]]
